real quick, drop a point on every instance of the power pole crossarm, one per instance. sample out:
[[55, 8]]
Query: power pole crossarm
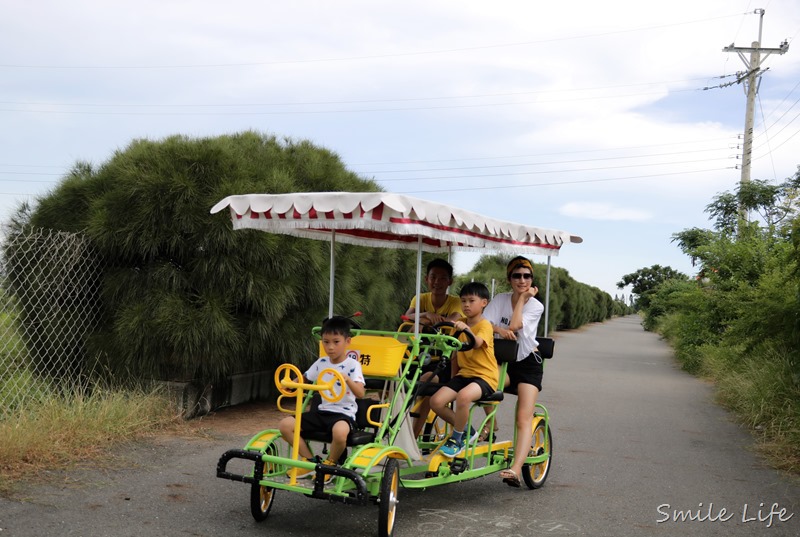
[[780, 50]]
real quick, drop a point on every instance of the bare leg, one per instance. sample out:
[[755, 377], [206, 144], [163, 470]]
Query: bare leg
[[526, 394], [424, 406], [439, 402], [286, 427], [468, 395], [338, 440]]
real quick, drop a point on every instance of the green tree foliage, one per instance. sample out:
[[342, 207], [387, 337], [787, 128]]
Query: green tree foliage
[[774, 204], [646, 280], [743, 264], [187, 297]]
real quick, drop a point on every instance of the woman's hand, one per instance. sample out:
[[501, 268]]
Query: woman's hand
[[505, 333]]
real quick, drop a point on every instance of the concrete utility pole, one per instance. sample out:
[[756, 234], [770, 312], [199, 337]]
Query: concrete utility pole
[[751, 79]]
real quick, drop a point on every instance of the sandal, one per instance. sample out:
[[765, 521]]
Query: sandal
[[485, 433], [511, 479]]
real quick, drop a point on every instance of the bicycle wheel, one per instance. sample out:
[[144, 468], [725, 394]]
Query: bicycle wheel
[[387, 501], [535, 475], [435, 429], [261, 497]]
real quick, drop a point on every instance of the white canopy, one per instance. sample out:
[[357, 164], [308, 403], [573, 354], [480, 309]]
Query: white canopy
[[387, 220]]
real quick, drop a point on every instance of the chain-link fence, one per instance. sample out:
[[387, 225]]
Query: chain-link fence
[[48, 306]]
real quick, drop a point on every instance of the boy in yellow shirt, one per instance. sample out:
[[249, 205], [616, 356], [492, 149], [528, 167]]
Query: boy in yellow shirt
[[475, 372], [436, 305]]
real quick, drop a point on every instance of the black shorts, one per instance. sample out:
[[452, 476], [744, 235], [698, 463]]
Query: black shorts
[[458, 383], [319, 421], [526, 371]]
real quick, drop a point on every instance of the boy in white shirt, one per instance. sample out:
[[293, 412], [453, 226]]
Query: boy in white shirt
[[337, 418]]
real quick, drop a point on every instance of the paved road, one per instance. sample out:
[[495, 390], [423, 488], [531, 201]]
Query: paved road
[[635, 440]]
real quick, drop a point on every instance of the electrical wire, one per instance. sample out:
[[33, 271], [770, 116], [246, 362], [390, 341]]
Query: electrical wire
[[546, 163], [371, 56], [528, 155], [559, 183]]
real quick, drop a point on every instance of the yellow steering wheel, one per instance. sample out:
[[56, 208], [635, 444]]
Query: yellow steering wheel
[[332, 385], [288, 373]]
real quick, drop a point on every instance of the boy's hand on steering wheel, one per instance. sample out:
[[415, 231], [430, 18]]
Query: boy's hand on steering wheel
[[460, 326]]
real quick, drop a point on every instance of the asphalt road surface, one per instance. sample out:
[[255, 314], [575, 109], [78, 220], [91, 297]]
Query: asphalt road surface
[[640, 448]]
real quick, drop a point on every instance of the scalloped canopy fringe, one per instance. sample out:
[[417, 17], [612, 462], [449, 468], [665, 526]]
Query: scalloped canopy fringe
[[387, 220]]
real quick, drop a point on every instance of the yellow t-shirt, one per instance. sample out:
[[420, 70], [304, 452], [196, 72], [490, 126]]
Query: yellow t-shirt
[[480, 361], [451, 305]]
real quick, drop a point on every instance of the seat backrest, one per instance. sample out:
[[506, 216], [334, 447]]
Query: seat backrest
[[380, 356], [546, 346], [505, 350]]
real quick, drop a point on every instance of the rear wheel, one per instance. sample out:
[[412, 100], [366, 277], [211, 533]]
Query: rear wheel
[[435, 430], [387, 509], [261, 497], [535, 475]]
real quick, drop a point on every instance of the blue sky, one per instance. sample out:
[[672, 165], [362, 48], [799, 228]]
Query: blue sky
[[585, 116]]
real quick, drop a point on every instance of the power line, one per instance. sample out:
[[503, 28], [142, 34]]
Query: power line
[[774, 123], [558, 183], [480, 176], [784, 142], [692, 143], [29, 173], [528, 155], [370, 56], [781, 104], [354, 101], [340, 111], [780, 131], [772, 160], [539, 163]]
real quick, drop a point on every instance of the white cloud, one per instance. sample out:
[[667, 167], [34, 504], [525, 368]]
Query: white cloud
[[584, 116], [603, 211]]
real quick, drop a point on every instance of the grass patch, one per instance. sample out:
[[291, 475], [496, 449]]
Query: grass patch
[[760, 385], [60, 432]]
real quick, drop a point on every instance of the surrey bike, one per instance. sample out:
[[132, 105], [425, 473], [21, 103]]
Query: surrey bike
[[382, 453]]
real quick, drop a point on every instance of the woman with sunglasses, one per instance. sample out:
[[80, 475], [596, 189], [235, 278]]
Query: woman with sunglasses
[[516, 315]]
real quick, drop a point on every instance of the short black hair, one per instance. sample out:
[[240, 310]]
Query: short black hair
[[336, 325], [442, 264], [476, 289]]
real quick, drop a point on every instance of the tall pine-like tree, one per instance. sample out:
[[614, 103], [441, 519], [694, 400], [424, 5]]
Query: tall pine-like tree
[[186, 297]]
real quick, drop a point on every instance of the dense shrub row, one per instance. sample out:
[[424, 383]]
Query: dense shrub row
[[572, 303]]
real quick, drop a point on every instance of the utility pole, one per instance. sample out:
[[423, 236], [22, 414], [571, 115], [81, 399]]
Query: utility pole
[[751, 79]]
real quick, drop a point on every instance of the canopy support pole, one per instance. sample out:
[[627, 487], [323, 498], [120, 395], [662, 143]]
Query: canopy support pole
[[547, 300], [333, 272], [419, 286]]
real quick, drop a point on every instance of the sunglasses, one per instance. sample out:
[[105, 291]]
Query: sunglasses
[[521, 276]]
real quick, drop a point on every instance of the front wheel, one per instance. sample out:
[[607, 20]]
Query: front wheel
[[390, 486], [261, 497], [541, 444]]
